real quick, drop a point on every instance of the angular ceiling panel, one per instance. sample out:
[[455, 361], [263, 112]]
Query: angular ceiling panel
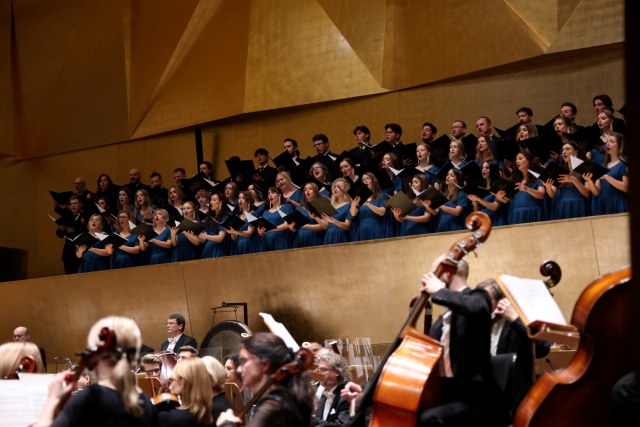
[[439, 40], [363, 26], [157, 24], [541, 16], [593, 23], [204, 78], [300, 57]]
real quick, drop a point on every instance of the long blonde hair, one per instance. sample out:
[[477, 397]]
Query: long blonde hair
[[12, 352], [345, 187], [217, 372], [196, 390], [128, 338]]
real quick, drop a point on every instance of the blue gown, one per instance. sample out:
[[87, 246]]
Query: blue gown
[[122, 259], [497, 217], [569, 203], [306, 238], [92, 261], [411, 228], [433, 170], [296, 197], [277, 240], [367, 224], [213, 249], [158, 254], [611, 200], [597, 156], [448, 222], [524, 208], [334, 233], [247, 245], [184, 250]]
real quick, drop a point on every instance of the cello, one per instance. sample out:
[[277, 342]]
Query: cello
[[580, 393], [408, 380]]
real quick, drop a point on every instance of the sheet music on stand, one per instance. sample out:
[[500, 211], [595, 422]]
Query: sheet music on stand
[[21, 401], [280, 330], [537, 309]]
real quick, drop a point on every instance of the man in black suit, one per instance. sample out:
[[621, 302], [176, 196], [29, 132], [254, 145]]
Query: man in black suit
[[72, 225], [175, 328], [361, 154], [134, 182], [324, 156], [469, 389], [265, 175], [157, 189], [333, 410]]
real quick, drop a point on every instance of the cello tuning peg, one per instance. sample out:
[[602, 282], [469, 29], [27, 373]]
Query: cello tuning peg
[[475, 254]]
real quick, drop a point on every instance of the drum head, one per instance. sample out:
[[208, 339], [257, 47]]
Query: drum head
[[223, 339]]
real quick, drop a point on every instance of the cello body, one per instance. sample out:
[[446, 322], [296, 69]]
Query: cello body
[[580, 394]]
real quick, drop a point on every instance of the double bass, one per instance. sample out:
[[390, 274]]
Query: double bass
[[580, 394], [408, 380]]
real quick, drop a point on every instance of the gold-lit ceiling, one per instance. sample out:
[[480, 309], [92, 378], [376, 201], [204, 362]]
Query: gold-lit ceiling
[[80, 74]]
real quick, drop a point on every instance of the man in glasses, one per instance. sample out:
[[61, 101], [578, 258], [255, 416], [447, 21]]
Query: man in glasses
[[152, 366], [175, 329], [21, 334]]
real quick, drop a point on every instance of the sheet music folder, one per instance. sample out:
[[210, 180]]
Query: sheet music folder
[[537, 309]]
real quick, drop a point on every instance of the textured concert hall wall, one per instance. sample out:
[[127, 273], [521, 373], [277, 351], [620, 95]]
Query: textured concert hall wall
[[105, 86], [352, 290]]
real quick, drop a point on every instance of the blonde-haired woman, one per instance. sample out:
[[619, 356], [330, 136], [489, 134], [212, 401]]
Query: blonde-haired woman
[[95, 258], [218, 375], [113, 399], [12, 352], [338, 229], [160, 246], [189, 380]]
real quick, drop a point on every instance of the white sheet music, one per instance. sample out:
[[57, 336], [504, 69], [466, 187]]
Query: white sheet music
[[21, 401], [280, 330], [534, 300]]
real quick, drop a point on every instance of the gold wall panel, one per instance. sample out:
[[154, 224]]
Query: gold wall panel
[[71, 89], [6, 85], [300, 57], [565, 10], [541, 16], [593, 23], [363, 25], [352, 290]]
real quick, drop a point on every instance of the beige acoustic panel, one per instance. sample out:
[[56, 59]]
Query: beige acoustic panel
[[300, 57], [7, 147], [593, 23], [72, 90], [206, 77], [565, 10], [541, 16], [438, 40], [613, 240], [363, 26], [152, 31]]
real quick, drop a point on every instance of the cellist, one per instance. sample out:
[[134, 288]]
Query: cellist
[[470, 395]]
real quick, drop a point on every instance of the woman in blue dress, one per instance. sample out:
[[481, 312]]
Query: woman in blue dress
[[160, 246], [368, 219], [258, 199], [484, 154], [611, 190], [321, 174], [457, 155], [231, 193], [311, 234], [338, 224], [490, 205], [125, 200], [571, 198], [348, 169], [605, 124], [143, 209], [451, 215], [423, 153], [390, 161], [291, 194], [95, 258], [527, 204], [280, 237], [214, 234], [185, 244], [247, 240], [127, 254], [417, 221]]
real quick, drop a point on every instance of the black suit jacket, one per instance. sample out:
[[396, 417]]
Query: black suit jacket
[[338, 413], [514, 339], [327, 160], [470, 337], [184, 340], [268, 174]]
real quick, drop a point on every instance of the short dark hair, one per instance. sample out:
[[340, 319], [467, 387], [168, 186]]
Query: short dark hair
[[320, 137], [154, 174], [394, 127], [261, 151], [486, 118], [235, 359], [362, 129], [571, 105], [189, 349], [527, 110], [464, 125], [151, 359], [179, 318], [606, 100], [181, 170], [433, 127], [293, 141], [209, 165]]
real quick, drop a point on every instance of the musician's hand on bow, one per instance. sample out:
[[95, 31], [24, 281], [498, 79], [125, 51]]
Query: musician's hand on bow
[[431, 283], [228, 416], [351, 391]]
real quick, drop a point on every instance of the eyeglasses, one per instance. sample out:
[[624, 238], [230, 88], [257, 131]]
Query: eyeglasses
[[244, 360], [15, 337], [171, 323], [322, 370], [455, 126], [155, 371]]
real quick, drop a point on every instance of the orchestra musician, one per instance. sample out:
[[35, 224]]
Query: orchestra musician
[[11, 354], [152, 366], [177, 339], [332, 409], [189, 380], [218, 374]]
